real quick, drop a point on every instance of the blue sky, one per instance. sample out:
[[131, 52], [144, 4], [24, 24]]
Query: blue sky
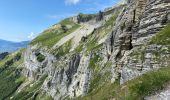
[[21, 20]]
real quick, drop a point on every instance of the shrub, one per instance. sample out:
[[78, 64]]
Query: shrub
[[40, 57]]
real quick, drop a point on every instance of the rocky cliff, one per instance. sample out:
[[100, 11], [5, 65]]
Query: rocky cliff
[[121, 53]]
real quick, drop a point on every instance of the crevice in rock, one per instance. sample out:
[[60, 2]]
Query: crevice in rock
[[134, 15], [78, 83], [130, 46], [164, 19], [84, 38], [74, 93], [73, 66], [108, 57], [61, 73], [119, 55], [112, 41]]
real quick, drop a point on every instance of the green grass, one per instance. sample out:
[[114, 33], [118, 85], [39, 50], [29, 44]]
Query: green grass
[[138, 55], [7, 58], [79, 48], [92, 43], [135, 89], [11, 79], [10, 76], [100, 88], [94, 84], [94, 62], [64, 49], [99, 79], [8, 83], [43, 96], [163, 37], [67, 22], [29, 91], [145, 85], [50, 37]]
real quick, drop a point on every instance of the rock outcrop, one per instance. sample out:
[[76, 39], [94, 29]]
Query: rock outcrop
[[140, 21], [121, 54]]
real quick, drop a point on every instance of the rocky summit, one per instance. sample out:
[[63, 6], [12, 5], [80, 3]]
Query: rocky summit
[[121, 53]]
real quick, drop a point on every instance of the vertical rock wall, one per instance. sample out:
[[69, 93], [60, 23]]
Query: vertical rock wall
[[137, 23]]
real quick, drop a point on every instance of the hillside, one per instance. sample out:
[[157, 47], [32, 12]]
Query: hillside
[[8, 46], [121, 53]]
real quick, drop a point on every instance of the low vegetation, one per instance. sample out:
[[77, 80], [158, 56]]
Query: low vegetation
[[144, 85], [10, 75], [163, 37], [140, 87], [42, 95], [11, 79], [64, 49], [8, 82], [32, 91], [40, 57], [53, 35], [94, 62], [135, 89]]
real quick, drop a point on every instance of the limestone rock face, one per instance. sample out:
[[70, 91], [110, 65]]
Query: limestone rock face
[[137, 23], [124, 48], [68, 76], [149, 24], [162, 95]]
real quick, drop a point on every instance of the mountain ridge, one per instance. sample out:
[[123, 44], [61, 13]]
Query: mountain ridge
[[11, 46], [124, 56]]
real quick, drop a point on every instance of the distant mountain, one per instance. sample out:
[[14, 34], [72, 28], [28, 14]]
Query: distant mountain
[[9, 46]]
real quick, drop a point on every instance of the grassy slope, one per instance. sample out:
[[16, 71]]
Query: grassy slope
[[138, 88], [64, 49], [51, 36], [33, 92], [92, 39], [135, 89], [9, 78], [48, 38], [163, 37]]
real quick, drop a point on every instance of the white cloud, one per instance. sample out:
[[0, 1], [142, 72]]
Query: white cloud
[[70, 2], [31, 35]]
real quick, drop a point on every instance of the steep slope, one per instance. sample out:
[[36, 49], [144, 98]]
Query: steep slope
[[121, 53], [67, 58], [14, 85], [10, 77]]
